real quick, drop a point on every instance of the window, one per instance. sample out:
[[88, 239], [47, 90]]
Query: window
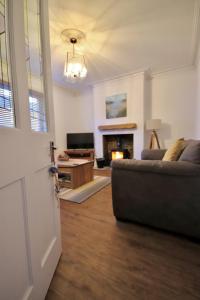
[[7, 116], [37, 112], [37, 105]]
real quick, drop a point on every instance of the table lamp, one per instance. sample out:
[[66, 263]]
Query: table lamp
[[153, 125]]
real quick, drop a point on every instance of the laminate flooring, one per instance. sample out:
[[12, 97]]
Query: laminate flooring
[[107, 260]]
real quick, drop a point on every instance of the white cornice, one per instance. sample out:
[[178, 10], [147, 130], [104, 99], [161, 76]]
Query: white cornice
[[134, 73], [147, 73], [91, 84], [175, 69]]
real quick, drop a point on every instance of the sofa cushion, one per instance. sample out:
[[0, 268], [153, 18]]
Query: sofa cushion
[[174, 152], [153, 154], [191, 153]]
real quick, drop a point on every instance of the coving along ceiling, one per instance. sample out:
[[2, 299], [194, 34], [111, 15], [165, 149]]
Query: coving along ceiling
[[124, 36]]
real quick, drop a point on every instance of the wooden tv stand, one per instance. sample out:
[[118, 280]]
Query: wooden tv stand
[[81, 153]]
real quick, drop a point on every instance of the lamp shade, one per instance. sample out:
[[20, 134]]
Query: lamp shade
[[153, 124]]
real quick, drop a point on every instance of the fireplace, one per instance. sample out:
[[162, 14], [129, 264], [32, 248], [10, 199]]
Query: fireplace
[[117, 146]]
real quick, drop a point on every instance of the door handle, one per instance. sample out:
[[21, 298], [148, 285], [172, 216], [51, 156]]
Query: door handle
[[52, 149]]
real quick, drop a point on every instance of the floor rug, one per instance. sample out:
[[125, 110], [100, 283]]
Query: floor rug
[[85, 191]]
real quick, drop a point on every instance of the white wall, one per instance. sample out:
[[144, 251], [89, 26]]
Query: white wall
[[174, 100], [84, 106], [73, 113]]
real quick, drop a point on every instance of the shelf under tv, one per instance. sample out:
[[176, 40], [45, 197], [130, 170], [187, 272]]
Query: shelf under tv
[[86, 153]]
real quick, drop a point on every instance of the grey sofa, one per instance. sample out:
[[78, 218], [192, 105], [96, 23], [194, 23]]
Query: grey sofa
[[161, 194]]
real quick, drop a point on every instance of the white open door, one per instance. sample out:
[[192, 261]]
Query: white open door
[[29, 212]]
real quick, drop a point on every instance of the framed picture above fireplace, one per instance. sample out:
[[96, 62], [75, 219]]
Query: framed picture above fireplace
[[116, 106]]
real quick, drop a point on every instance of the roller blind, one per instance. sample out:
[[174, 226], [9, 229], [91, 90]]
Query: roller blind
[[7, 118], [7, 115], [37, 112]]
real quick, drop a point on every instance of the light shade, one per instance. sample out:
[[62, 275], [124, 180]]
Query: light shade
[[153, 124], [75, 67]]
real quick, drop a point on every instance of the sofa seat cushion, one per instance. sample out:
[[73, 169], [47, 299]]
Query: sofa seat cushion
[[191, 153]]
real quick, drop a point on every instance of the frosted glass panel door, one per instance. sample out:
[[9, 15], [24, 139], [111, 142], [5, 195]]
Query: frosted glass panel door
[[7, 117], [29, 211], [32, 12]]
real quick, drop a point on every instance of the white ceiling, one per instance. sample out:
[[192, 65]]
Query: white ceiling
[[125, 36]]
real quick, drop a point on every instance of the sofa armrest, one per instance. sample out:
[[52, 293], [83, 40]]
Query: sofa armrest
[[173, 168], [156, 154]]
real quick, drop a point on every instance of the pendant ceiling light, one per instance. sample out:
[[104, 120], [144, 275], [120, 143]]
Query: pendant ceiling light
[[74, 68]]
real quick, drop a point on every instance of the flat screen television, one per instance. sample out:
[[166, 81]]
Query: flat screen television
[[80, 140]]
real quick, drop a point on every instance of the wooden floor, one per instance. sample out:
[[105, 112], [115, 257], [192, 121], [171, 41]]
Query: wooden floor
[[109, 260]]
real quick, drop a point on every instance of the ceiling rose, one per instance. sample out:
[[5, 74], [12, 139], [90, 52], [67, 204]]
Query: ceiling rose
[[70, 33]]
